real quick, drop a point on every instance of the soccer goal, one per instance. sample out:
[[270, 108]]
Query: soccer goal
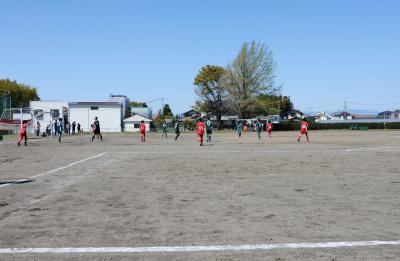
[[11, 119]]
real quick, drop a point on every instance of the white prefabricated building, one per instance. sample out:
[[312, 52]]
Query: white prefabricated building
[[109, 115]]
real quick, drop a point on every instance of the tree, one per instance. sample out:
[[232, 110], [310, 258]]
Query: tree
[[273, 104], [167, 112], [249, 75], [127, 113], [286, 106], [21, 94], [135, 104], [211, 91]]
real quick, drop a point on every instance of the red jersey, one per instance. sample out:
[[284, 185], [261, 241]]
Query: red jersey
[[142, 128], [269, 127], [200, 128], [304, 125], [23, 128]]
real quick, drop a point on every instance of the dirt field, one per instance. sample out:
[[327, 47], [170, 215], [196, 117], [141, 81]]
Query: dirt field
[[342, 186]]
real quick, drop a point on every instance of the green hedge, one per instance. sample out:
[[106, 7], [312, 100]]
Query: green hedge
[[292, 126]]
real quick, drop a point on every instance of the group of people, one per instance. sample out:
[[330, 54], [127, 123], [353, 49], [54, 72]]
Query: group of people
[[71, 127], [57, 128], [201, 129], [52, 128], [269, 127]]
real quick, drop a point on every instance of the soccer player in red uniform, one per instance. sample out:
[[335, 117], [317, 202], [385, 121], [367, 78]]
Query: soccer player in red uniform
[[22, 134], [269, 129], [200, 126], [142, 130], [303, 130]]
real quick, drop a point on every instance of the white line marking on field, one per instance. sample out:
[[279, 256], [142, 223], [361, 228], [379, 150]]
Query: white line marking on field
[[61, 168], [381, 149], [197, 248], [367, 149], [38, 200]]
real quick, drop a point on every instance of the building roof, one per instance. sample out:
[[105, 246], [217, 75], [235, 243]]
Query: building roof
[[296, 111], [385, 113], [344, 114], [191, 113], [117, 104], [137, 118]]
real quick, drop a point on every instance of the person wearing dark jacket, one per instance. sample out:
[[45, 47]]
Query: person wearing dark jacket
[[96, 129]]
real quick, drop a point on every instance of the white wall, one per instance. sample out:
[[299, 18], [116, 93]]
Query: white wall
[[46, 106], [108, 116]]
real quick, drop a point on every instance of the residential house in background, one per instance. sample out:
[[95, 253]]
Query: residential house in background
[[132, 123], [344, 116], [395, 115], [193, 114], [385, 115], [295, 115]]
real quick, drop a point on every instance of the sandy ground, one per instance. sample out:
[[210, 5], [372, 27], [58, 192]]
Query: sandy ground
[[342, 186]]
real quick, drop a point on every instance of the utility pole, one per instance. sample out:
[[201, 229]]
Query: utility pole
[[345, 106], [162, 108]]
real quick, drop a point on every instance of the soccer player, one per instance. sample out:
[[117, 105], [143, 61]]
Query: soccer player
[[269, 129], [303, 130], [96, 127], [209, 129], [164, 130], [200, 130], [239, 128], [177, 130], [142, 130], [59, 129], [23, 134], [259, 128]]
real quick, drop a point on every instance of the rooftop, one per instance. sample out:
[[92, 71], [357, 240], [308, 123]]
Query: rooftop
[[117, 104]]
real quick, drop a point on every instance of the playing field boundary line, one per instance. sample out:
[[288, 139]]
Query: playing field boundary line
[[359, 149], [57, 169], [209, 248]]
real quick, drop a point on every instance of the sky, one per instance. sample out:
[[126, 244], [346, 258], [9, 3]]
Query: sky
[[327, 52]]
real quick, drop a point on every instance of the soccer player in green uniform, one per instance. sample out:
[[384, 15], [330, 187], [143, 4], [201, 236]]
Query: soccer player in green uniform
[[164, 130], [259, 128], [59, 127], [209, 129], [177, 130], [239, 128]]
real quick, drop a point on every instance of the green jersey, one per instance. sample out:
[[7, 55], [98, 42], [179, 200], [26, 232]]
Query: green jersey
[[259, 126], [58, 127], [209, 125]]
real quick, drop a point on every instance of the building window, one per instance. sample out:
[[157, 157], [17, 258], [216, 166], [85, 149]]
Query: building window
[[54, 113], [136, 125], [94, 108], [38, 113]]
